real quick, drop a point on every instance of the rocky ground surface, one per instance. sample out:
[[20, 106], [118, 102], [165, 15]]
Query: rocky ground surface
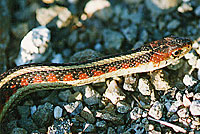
[[162, 101]]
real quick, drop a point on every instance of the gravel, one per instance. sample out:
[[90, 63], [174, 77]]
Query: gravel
[[74, 31]]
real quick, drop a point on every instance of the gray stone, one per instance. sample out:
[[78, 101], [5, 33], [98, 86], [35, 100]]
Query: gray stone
[[113, 39], [43, 115], [101, 124], [195, 107], [28, 124], [58, 112], [130, 32], [87, 114], [91, 96], [88, 128], [64, 95], [24, 111], [144, 35], [77, 96], [19, 131], [197, 11], [74, 108], [123, 107], [173, 24], [156, 110]]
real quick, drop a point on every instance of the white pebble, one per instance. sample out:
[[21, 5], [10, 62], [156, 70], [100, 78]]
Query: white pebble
[[33, 109]]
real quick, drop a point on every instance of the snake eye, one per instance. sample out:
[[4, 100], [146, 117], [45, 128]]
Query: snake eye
[[176, 53]]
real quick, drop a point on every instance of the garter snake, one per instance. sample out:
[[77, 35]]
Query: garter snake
[[25, 79]]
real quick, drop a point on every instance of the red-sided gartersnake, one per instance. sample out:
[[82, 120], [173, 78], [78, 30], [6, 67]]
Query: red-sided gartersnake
[[25, 79]]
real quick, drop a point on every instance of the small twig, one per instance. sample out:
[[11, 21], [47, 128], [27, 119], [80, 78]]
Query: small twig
[[175, 127], [140, 105]]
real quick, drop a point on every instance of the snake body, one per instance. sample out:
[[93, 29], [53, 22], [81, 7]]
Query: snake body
[[25, 79]]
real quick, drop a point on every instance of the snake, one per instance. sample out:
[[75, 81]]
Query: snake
[[25, 79]]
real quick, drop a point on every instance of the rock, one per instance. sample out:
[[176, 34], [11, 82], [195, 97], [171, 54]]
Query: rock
[[174, 118], [57, 58], [64, 95], [77, 96], [196, 96], [109, 114], [185, 7], [92, 6], [35, 46], [111, 130], [28, 124], [130, 82], [87, 114], [183, 113], [197, 11], [24, 111], [112, 39], [5, 17], [20, 30], [19, 131], [195, 107], [136, 113], [80, 46], [84, 55], [88, 128], [104, 14], [62, 126], [160, 80], [144, 35], [43, 115], [173, 107], [156, 110], [101, 124], [98, 47], [188, 80], [58, 112], [186, 101], [74, 108], [91, 97], [114, 93], [173, 25], [123, 107], [72, 38], [46, 15], [130, 32], [144, 86]]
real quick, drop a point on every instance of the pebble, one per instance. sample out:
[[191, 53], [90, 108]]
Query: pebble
[[144, 86], [113, 39], [183, 112], [19, 131], [186, 101], [144, 35], [197, 11], [29, 124], [58, 112], [101, 124], [123, 107], [156, 110], [73, 38], [87, 114], [24, 111], [45, 15], [104, 14], [160, 80], [91, 97], [130, 32], [174, 24], [77, 96], [88, 128], [43, 115], [57, 58], [174, 118], [185, 7], [111, 130], [173, 107], [136, 113], [34, 46], [195, 107], [74, 108], [92, 6], [130, 82], [196, 96], [61, 126], [98, 47], [80, 46], [188, 80], [64, 95], [114, 93]]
